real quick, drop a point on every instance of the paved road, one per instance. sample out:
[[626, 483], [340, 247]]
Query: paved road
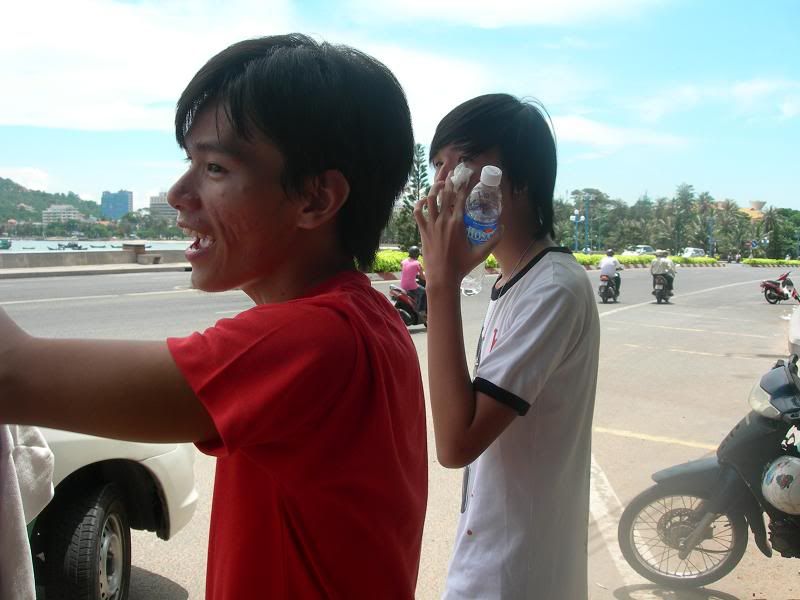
[[674, 379]]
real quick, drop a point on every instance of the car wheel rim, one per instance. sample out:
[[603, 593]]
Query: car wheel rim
[[111, 559]]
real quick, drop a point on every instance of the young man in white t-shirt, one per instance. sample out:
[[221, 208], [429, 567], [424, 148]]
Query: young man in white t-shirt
[[522, 426]]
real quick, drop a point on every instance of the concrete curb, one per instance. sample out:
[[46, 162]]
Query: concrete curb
[[115, 269], [91, 270], [638, 266]]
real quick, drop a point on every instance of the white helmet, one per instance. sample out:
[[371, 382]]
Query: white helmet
[[781, 484]]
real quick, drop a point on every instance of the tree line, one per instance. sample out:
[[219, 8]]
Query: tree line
[[688, 219]]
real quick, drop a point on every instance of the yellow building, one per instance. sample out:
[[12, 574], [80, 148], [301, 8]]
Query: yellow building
[[755, 210]]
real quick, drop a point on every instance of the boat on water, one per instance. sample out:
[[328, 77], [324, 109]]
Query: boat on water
[[5, 243], [97, 245], [68, 246]]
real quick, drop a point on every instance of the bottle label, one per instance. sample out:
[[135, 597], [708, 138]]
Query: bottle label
[[479, 232]]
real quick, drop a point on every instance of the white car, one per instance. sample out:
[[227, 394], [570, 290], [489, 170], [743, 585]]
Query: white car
[[693, 252], [639, 250], [81, 541]]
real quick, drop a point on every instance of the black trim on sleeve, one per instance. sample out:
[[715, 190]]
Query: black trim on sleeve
[[501, 395]]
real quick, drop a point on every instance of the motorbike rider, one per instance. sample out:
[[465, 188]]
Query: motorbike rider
[[610, 267], [662, 265], [411, 269]]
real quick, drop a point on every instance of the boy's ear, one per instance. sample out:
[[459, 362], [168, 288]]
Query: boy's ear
[[323, 197]]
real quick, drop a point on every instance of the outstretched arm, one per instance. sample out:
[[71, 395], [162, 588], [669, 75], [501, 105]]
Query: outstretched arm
[[465, 422], [124, 390]]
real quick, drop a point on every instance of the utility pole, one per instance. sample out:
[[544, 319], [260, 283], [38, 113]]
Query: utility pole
[[586, 222], [576, 218]]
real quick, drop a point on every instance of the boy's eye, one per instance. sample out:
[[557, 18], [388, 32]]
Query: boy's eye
[[214, 168]]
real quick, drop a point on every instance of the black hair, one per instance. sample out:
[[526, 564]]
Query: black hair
[[523, 138], [324, 107]]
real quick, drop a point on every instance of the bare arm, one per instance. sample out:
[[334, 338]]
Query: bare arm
[[124, 390], [465, 422]]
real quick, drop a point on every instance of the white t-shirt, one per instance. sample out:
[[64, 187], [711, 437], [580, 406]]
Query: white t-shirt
[[662, 265], [609, 266], [524, 528]]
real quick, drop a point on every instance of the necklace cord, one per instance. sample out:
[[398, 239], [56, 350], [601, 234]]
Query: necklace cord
[[514, 270]]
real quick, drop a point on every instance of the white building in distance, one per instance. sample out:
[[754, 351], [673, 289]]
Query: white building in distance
[[61, 213], [160, 208]]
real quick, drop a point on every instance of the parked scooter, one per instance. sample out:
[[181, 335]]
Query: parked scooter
[[661, 289], [406, 304], [691, 528], [777, 290], [607, 290]]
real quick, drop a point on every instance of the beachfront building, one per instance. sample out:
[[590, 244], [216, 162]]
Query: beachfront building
[[61, 213], [160, 208], [115, 205]]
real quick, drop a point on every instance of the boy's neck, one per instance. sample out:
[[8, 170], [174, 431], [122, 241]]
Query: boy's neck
[[307, 264], [515, 254]]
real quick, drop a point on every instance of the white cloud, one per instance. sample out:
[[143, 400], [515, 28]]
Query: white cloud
[[94, 64], [606, 139], [790, 108], [772, 97], [489, 15], [570, 42], [29, 177], [431, 92]]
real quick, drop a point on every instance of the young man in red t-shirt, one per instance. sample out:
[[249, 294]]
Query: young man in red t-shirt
[[312, 399]]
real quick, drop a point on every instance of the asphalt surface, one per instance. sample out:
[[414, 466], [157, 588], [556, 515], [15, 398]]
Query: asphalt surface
[[673, 381]]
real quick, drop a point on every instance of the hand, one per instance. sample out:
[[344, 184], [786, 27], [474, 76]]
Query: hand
[[449, 256]]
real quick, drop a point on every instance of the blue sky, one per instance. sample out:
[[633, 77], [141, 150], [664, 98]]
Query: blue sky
[[644, 95]]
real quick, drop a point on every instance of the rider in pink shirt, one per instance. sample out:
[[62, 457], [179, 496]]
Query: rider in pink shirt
[[411, 268]]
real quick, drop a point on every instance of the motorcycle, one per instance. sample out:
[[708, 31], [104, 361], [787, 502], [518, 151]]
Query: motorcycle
[[691, 528], [777, 290], [406, 304], [661, 289], [607, 289]]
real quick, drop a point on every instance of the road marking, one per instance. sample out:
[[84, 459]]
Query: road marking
[[97, 297], [695, 330], [684, 351], [605, 506], [161, 293], [67, 298], [705, 291], [653, 438]]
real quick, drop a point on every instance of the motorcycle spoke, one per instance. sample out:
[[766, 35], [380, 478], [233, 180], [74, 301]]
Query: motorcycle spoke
[[662, 527]]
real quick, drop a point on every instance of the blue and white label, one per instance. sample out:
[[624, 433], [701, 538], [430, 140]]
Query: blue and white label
[[479, 232]]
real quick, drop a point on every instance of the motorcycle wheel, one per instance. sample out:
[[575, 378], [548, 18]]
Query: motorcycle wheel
[[771, 297], [659, 297], [656, 523], [605, 299]]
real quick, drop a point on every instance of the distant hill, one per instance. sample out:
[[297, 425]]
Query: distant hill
[[13, 194]]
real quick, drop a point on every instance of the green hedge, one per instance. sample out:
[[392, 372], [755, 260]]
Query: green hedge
[[389, 260], [770, 262]]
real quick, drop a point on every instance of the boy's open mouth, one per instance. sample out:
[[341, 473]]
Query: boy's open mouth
[[201, 240]]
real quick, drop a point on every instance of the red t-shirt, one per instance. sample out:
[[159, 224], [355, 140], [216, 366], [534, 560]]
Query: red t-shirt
[[321, 478]]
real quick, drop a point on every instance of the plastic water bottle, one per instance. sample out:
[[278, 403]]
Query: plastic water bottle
[[481, 215]]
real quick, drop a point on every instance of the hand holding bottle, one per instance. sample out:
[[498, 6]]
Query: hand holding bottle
[[449, 255]]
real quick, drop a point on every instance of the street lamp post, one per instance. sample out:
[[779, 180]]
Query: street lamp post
[[577, 218]]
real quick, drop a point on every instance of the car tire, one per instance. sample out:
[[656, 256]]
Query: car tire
[[88, 547]]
